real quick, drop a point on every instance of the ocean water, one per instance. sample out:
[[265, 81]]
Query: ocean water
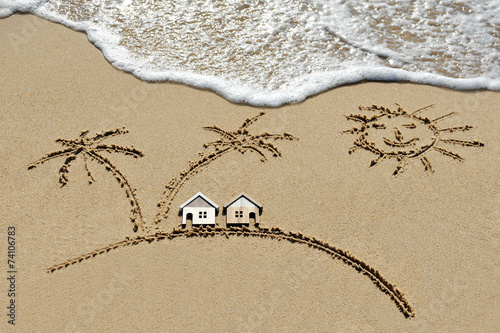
[[272, 52]]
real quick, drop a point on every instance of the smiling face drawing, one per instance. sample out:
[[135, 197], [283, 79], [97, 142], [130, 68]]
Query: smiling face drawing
[[403, 136]]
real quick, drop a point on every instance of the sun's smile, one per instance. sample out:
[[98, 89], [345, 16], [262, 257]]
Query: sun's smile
[[403, 136]]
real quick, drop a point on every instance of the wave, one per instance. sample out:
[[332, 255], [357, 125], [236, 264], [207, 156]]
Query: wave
[[270, 53]]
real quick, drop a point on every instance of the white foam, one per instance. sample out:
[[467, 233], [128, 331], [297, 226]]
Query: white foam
[[9, 7], [282, 51]]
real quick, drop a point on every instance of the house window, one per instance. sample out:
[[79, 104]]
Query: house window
[[202, 215], [238, 214]]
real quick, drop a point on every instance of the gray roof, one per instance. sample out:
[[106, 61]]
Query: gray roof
[[202, 196], [249, 198]]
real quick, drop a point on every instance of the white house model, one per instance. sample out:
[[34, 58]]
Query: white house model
[[243, 210], [198, 210]]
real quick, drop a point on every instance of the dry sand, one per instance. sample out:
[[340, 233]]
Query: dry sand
[[434, 235]]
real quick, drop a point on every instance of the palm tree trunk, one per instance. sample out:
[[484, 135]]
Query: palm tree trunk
[[176, 183], [136, 213]]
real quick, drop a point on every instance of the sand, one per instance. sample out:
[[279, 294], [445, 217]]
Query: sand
[[432, 234]]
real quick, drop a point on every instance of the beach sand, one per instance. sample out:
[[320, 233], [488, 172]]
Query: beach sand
[[432, 234]]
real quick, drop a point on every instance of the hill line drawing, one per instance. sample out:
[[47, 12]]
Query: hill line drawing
[[395, 145], [240, 140], [273, 233]]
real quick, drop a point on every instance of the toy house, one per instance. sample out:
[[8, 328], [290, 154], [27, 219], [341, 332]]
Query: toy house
[[198, 210], [242, 209]]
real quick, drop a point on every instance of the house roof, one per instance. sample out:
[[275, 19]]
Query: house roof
[[202, 196], [246, 196]]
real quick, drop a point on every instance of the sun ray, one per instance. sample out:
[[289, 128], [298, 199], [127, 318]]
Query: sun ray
[[400, 168], [376, 161], [421, 109], [458, 128], [362, 118], [463, 142], [353, 130], [353, 149], [443, 117], [426, 163], [448, 153]]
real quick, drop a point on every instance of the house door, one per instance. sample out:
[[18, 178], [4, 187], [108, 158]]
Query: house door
[[189, 220], [251, 219]]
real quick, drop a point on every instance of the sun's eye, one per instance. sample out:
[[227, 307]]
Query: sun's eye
[[378, 126], [410, 125]]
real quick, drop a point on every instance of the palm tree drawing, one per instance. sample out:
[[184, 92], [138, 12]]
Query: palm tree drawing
[[240, 140], [90, 148]]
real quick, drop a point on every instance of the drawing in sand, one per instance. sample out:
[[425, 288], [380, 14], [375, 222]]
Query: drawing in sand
[[90, 148], [203, 210], [404, 136]]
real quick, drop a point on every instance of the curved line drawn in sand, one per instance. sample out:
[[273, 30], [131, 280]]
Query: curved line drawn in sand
[[239, 140], [89, 148], [271, 233], [395, 145]]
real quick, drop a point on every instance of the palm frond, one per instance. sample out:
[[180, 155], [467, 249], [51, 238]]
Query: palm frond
[[284, 136], [89, 174], [119, 149], [271, 148], [221, 132], [250, 121], [214, 143], [252, 148], [64, 170], [68, 143], [104, 135], [50, 156]]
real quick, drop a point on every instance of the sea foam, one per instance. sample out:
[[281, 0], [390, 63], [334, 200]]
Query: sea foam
[[282, 51]]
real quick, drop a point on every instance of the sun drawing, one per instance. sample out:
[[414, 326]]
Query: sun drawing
[[404, 136]]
